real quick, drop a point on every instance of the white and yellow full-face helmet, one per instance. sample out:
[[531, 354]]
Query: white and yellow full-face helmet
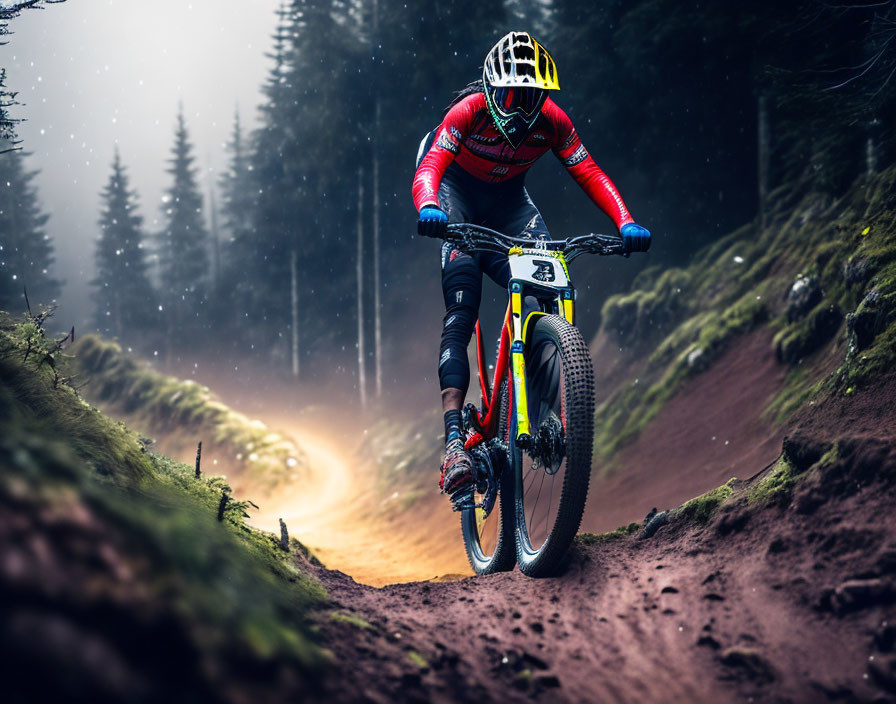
[[517, 73]]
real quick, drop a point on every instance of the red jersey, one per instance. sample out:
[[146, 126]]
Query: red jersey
[[468, 135]]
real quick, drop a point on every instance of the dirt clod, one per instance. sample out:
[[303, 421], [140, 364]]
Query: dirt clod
[[749, 663], [855, 594], [708, 642], [802, 451]]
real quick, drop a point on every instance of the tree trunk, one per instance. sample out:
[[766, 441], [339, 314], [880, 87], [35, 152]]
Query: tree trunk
[[216, 246], [377, 320], [377, 306], [870, 157], [763, 156], [294, 299], [362, 376], [118, 325]]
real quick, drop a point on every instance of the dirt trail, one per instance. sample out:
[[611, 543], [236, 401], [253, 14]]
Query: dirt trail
[[708, 433], [340, 515], [791, 601], [788, 603]]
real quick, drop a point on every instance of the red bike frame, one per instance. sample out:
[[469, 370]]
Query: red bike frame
[[487, 416]]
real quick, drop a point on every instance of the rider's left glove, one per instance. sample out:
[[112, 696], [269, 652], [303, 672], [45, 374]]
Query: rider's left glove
[[635, 238], [433, 222]]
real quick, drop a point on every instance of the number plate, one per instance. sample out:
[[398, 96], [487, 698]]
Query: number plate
[[540, 268]]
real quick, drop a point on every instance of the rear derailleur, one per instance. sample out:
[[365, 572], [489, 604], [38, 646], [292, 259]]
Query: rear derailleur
[[489, 461]]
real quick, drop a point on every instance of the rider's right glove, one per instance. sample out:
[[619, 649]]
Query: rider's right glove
[[635, 238], [433, 221]]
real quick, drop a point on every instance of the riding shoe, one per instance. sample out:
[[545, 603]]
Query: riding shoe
[[457, 474]]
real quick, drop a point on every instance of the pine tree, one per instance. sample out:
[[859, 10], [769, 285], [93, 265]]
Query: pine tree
[[9, 11], [295, 151], [183, 247], [8, 139], [535, 16], [124, 294], [26, 251], [237, 199], [240, 245]]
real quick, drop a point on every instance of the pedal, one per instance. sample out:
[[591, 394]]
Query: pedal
[[463, 499]]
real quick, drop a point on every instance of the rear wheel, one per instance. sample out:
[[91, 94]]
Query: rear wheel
[[489, 539], [551, 478]]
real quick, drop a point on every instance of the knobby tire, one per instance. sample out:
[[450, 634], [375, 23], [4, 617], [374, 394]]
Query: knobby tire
[[576, 389]]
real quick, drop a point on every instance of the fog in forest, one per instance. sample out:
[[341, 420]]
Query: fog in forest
[[259, 245], [96, 74]]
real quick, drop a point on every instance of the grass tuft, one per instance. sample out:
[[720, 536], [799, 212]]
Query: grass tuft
[[620, 532], [351, 619], [701, 508]]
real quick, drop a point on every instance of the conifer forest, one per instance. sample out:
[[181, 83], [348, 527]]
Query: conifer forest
[[670, 97]]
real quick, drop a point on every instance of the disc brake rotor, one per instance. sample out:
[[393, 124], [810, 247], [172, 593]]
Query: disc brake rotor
[[550, 446]]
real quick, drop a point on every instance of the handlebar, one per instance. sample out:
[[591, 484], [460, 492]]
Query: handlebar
[[469, 237]]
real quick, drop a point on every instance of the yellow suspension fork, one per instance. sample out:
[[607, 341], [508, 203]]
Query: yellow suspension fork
[[567, 301], [518, 362], [519, 332]]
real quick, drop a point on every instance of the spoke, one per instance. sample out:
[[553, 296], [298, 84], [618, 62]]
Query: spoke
[[550, 503], [531, 474], [540, 487]]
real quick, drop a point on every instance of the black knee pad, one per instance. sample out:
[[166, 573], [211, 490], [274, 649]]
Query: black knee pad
[[461, 281], [457, 329], [462, 288]]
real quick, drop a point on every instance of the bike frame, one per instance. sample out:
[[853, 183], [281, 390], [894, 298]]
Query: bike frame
[[544, 275]]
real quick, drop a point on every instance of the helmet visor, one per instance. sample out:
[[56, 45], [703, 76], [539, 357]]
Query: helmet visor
[[526, 100]]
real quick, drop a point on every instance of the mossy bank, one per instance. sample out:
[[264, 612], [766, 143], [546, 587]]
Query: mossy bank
[[819, 275], [123, 576], [182, 413]]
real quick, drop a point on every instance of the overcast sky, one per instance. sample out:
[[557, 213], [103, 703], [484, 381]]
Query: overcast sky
[[93, 74]]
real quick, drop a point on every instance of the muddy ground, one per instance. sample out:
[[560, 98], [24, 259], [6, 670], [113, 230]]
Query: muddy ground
[[785, 600], [790, 603]]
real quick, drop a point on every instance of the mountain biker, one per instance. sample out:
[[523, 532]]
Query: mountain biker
[[472, 169]]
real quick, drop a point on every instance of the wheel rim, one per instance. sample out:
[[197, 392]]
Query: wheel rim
[[541, 478], [487, 529]]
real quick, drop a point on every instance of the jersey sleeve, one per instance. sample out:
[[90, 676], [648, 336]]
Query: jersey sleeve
[[578, 162], [445, 147]]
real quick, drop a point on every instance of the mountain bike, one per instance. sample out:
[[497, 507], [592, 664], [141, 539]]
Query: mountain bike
[[531, 439]]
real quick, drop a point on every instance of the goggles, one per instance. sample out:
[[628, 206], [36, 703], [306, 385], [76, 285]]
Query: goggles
[[526, 100]]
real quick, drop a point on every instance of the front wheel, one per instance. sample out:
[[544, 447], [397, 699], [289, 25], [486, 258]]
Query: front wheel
[[551, 477]]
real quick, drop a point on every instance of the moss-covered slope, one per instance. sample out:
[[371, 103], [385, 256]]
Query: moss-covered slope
[[183, 413], [117, 579], [819, 275]]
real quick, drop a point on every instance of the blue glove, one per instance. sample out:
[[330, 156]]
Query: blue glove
[[635, 238], [433, 221]]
